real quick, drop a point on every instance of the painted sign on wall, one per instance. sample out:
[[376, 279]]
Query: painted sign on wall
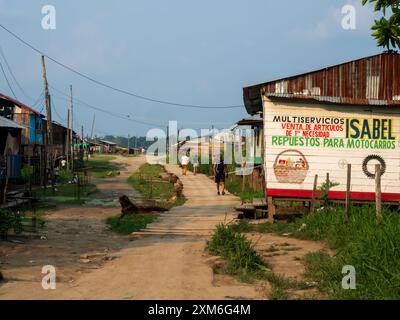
[[302, 140]]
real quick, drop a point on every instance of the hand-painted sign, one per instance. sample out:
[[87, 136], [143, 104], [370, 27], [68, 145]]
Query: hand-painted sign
[[304, 140]]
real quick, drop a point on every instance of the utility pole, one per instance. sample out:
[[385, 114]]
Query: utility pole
[[82, 155], [71, 146], [49, 133], [167, 143], [68, 148], [129, 140], [94, 119]]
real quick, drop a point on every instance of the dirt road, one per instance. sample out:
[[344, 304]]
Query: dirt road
[[167, 261]]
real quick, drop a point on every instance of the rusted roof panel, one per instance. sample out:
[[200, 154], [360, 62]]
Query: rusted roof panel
[[20, 104], [368, 81]]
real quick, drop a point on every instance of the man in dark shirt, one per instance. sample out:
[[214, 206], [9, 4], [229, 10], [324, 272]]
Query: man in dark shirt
[[219, 175]]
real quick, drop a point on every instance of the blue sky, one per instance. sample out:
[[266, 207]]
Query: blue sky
[[191, 52]]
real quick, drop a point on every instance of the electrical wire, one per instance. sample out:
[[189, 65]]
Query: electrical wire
[[8, 82], [106, 112], [13, 76], [56, 111], [103, 84], [116, 114]]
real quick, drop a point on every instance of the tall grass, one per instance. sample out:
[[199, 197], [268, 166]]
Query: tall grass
[[236, 250], [374, 251], [130, 223]]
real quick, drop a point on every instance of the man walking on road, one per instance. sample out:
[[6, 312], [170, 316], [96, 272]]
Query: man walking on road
[[219, 174], [184, 163]]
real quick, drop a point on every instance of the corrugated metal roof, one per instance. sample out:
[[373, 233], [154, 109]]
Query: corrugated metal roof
[[19, 103], [108, 142], [368, 81], [7, 123], [253, 120]]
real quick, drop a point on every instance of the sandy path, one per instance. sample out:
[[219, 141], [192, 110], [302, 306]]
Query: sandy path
[[165, 262]]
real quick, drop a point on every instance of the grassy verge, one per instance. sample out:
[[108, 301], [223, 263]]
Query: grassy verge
[[102, 167], [372, 249], [65, 194], [130, 223], [244, 262], [147, 181], [234, 186]]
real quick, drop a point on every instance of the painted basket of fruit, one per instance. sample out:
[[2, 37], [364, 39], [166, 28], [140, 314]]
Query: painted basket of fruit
[[291, 166]]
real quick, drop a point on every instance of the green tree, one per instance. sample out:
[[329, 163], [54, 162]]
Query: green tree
[[386, 30]]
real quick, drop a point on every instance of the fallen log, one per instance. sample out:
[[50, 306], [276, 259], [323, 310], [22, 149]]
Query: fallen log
[[128, 207], [169, 177]]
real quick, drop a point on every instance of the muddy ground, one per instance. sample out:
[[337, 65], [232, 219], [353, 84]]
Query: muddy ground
[[167, 261]]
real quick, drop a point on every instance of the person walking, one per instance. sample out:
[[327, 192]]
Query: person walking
[[195, 163], [219, 174], [184, 163]]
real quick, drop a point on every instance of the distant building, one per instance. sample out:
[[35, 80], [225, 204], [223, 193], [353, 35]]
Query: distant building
[[107, 146]]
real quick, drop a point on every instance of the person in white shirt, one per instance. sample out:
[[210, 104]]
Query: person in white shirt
[[184, 162]]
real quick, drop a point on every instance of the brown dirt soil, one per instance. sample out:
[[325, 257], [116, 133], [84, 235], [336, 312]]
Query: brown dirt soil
[[284, 257], [165, 261]]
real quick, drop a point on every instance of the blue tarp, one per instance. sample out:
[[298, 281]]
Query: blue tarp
[[12, 168]]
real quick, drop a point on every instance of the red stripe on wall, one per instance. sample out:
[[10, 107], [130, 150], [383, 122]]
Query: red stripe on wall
[[332, 194]]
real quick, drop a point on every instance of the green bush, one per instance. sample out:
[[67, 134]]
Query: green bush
[[26, 173], [9, 220], [65, 176]]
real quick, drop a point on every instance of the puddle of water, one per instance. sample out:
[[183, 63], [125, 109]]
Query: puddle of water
[[102, 203]]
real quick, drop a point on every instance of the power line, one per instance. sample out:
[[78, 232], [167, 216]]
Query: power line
[[8, 82], [56, 111], [116, 115], [39, 99], [100, 83], [12, 74]]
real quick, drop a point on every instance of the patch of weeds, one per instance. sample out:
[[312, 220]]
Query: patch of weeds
[[277, 293], [244, 262], [236, 249], [148, 182], [242, 226], [102, 167], [130, 223], [372, 249]]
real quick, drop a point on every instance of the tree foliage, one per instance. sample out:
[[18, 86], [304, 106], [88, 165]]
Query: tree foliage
[[386, 30]]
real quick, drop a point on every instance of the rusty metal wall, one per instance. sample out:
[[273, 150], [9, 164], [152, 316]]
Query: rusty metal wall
[[369, 81]]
